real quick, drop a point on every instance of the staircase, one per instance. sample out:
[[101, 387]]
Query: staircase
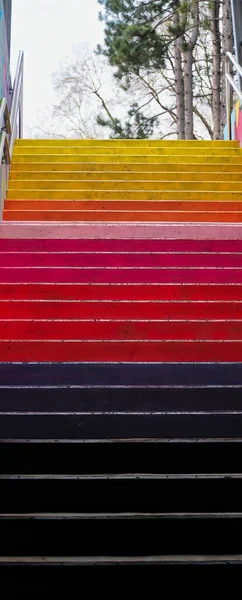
[[121, 362]]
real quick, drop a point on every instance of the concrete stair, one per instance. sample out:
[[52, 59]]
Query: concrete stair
[[146, 181], [121, 364]]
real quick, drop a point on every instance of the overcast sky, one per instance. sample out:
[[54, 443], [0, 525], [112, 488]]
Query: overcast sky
[[47, 30]]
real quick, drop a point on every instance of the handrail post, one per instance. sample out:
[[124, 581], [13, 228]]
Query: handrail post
[[228, 97], [21, 104]]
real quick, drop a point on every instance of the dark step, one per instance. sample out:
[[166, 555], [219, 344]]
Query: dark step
[[121, 457], [67, 399], [116, 426], [43, 580], [143, 494], [123, 374], [120, 535]]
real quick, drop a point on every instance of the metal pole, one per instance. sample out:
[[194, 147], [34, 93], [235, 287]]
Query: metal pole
[[228, 98], [21, 106]]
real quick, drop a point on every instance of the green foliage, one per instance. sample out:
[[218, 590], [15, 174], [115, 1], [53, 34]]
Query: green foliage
[[133, 34], [137, 126]]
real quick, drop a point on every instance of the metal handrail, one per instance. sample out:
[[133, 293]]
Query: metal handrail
[[5, 128], [230, 83], [11, 126], [16, 113]]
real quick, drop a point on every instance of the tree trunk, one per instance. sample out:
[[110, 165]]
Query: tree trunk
[[179, 82], [188, 47], [214, 12], [227, 46], [188, 82]]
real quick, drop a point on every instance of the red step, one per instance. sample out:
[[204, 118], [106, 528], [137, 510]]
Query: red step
[[140, 292], [120, 330], [120, 310], [62, 351]]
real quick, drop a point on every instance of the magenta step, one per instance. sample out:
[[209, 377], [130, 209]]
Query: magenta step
[[112, 260], [120, 310], [116, 275], [119, 245], [140, 292]]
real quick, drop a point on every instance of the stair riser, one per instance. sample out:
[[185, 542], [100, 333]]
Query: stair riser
[[120, 427], [129, 217], [120, 231], [123, 206], [83, 330], [128, 167], [120, 276], [210, 186], [115, 245], [102, 150], [231, 157], [124, 495], [186, 292], [122, 399], [123, 143], [183, 351], [177, 196], [121, 537], [17, 176], [112, 260], [121, 457], [110, 311], [134, 374]]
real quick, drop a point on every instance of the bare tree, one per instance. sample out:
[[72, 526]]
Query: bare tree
[[214, 18]]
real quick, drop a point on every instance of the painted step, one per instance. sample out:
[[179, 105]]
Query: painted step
[[123, 168], [120, 175], [228, 157], [167, 292], [124, 351], [119, 330], [101, 376], [119, 260], [125, 216], [96, 309], [119, 534], [67, 275], [163, 246], [178, 196], [124, 494], [125, 206], [164, 231], [129, 143], [120, 185], [119, 399], [103, 150], [135, 456], [100, 246]]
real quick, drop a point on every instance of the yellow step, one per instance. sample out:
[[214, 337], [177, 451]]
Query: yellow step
[[122, 195], [173, 168], [206, 186], [105, 158], [69, 176], [130, 143], [124, 151]]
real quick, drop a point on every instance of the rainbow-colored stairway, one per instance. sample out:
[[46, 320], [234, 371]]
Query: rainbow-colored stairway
[[121, 357]]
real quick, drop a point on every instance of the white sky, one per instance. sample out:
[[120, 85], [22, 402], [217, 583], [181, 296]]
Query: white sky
[[47, 30]]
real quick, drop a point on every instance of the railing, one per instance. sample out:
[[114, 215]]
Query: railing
[[230, 83], [11, 127]]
